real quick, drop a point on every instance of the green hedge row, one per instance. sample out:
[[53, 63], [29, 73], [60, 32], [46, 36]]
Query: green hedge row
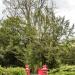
[[12, 71], [64, 70]]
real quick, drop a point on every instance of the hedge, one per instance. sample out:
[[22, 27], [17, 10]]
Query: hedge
[[12, 71]]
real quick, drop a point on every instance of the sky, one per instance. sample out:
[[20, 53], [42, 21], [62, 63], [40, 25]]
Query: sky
[[63, 8], [66, 8], [2, 7]]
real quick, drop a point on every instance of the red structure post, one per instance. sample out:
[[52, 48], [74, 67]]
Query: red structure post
[[40, 72], [45, 70], [27, 69]]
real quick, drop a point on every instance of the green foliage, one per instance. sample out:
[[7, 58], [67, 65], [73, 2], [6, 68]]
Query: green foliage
[[33, 34], [16, 42], [12, 71], [68, 57], [64, 70]]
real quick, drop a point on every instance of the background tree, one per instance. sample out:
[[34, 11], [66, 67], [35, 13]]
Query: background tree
[[15, 41], [33, 34]]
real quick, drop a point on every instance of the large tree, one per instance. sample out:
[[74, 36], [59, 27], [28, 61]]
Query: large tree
[[40, 32], [15, 42]]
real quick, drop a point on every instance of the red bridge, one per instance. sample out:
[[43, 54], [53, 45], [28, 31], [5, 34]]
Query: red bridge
[[41, 71]]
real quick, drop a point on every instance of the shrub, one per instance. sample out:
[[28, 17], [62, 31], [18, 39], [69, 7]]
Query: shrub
[[63, 70], [12, 71]]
